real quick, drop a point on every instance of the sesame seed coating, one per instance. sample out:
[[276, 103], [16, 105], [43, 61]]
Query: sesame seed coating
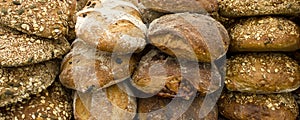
[[19, 83], [18, 49], [45, 18]]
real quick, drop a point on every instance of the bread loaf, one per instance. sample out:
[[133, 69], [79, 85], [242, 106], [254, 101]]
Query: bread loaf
[[262, 73], [245, 106], [19, 49], [265, 34], [47, 18], [112, 26], [233, 8], [189, 36], [111, 103], [86, 67]]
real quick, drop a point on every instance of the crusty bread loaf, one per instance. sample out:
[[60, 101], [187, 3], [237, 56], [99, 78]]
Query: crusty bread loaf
[[111, 103], [112, 25], [246, 106], [162, 109], [178, 6], [47, 18], [18, 49], [262, 73], [239, 8], [18, 83], [162, 74], [265, 34], [52, 103], [189, 36], [85, 67]]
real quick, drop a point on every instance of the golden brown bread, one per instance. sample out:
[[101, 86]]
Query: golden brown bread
[[85, 67], [46, 18], [162, 74], [262, 73], [246, 106], [53, 103], [159, 108], [111, 103], [189, 36], [112, 26], [265, 34]]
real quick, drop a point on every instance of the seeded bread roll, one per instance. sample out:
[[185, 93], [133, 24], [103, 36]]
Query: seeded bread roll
[[161, 74], [85, 67], [189, 36], [111, 103], [112, 25], [160, 109], [48, 18], [178, 6], [262, 73], [265, 34], [18, 49], [240, 8], [18, 83], [52, 103], [246, 106]]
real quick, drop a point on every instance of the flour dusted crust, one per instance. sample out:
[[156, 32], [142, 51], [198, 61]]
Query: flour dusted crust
[[262, 73], [112, 26], [52, 103], [108, 104], [44, 18], [265, 34], [18, 83], [19, 49], [245, 106], [86, 67], [189, 36]]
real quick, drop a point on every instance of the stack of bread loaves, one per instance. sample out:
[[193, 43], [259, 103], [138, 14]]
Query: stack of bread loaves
[[31, 43], [260, 76]]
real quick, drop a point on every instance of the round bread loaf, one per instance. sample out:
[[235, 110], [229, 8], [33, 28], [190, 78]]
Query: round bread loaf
[[162, 74], [112, 26], [85, 67], [53, 103], [262, 73], [178, 6], [246, 106], [18, 83], [240, 8], [18, 49], [189, 36], [47, 18], [265, 34], [111, 103], [160, 109]]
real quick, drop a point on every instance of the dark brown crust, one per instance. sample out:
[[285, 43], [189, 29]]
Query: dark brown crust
[[184, 34], [262, 73], [243, 106]]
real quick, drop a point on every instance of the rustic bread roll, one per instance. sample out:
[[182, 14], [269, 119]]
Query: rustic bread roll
[[265, 34], [48, 18], [18, 49], [112, 26], [178, 6], [234, 8], [246, 106], [160, 109], [111, 103], [85, 67], [161, 74], [262, 73], [189, 36], [18, 83], [52, 103]]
